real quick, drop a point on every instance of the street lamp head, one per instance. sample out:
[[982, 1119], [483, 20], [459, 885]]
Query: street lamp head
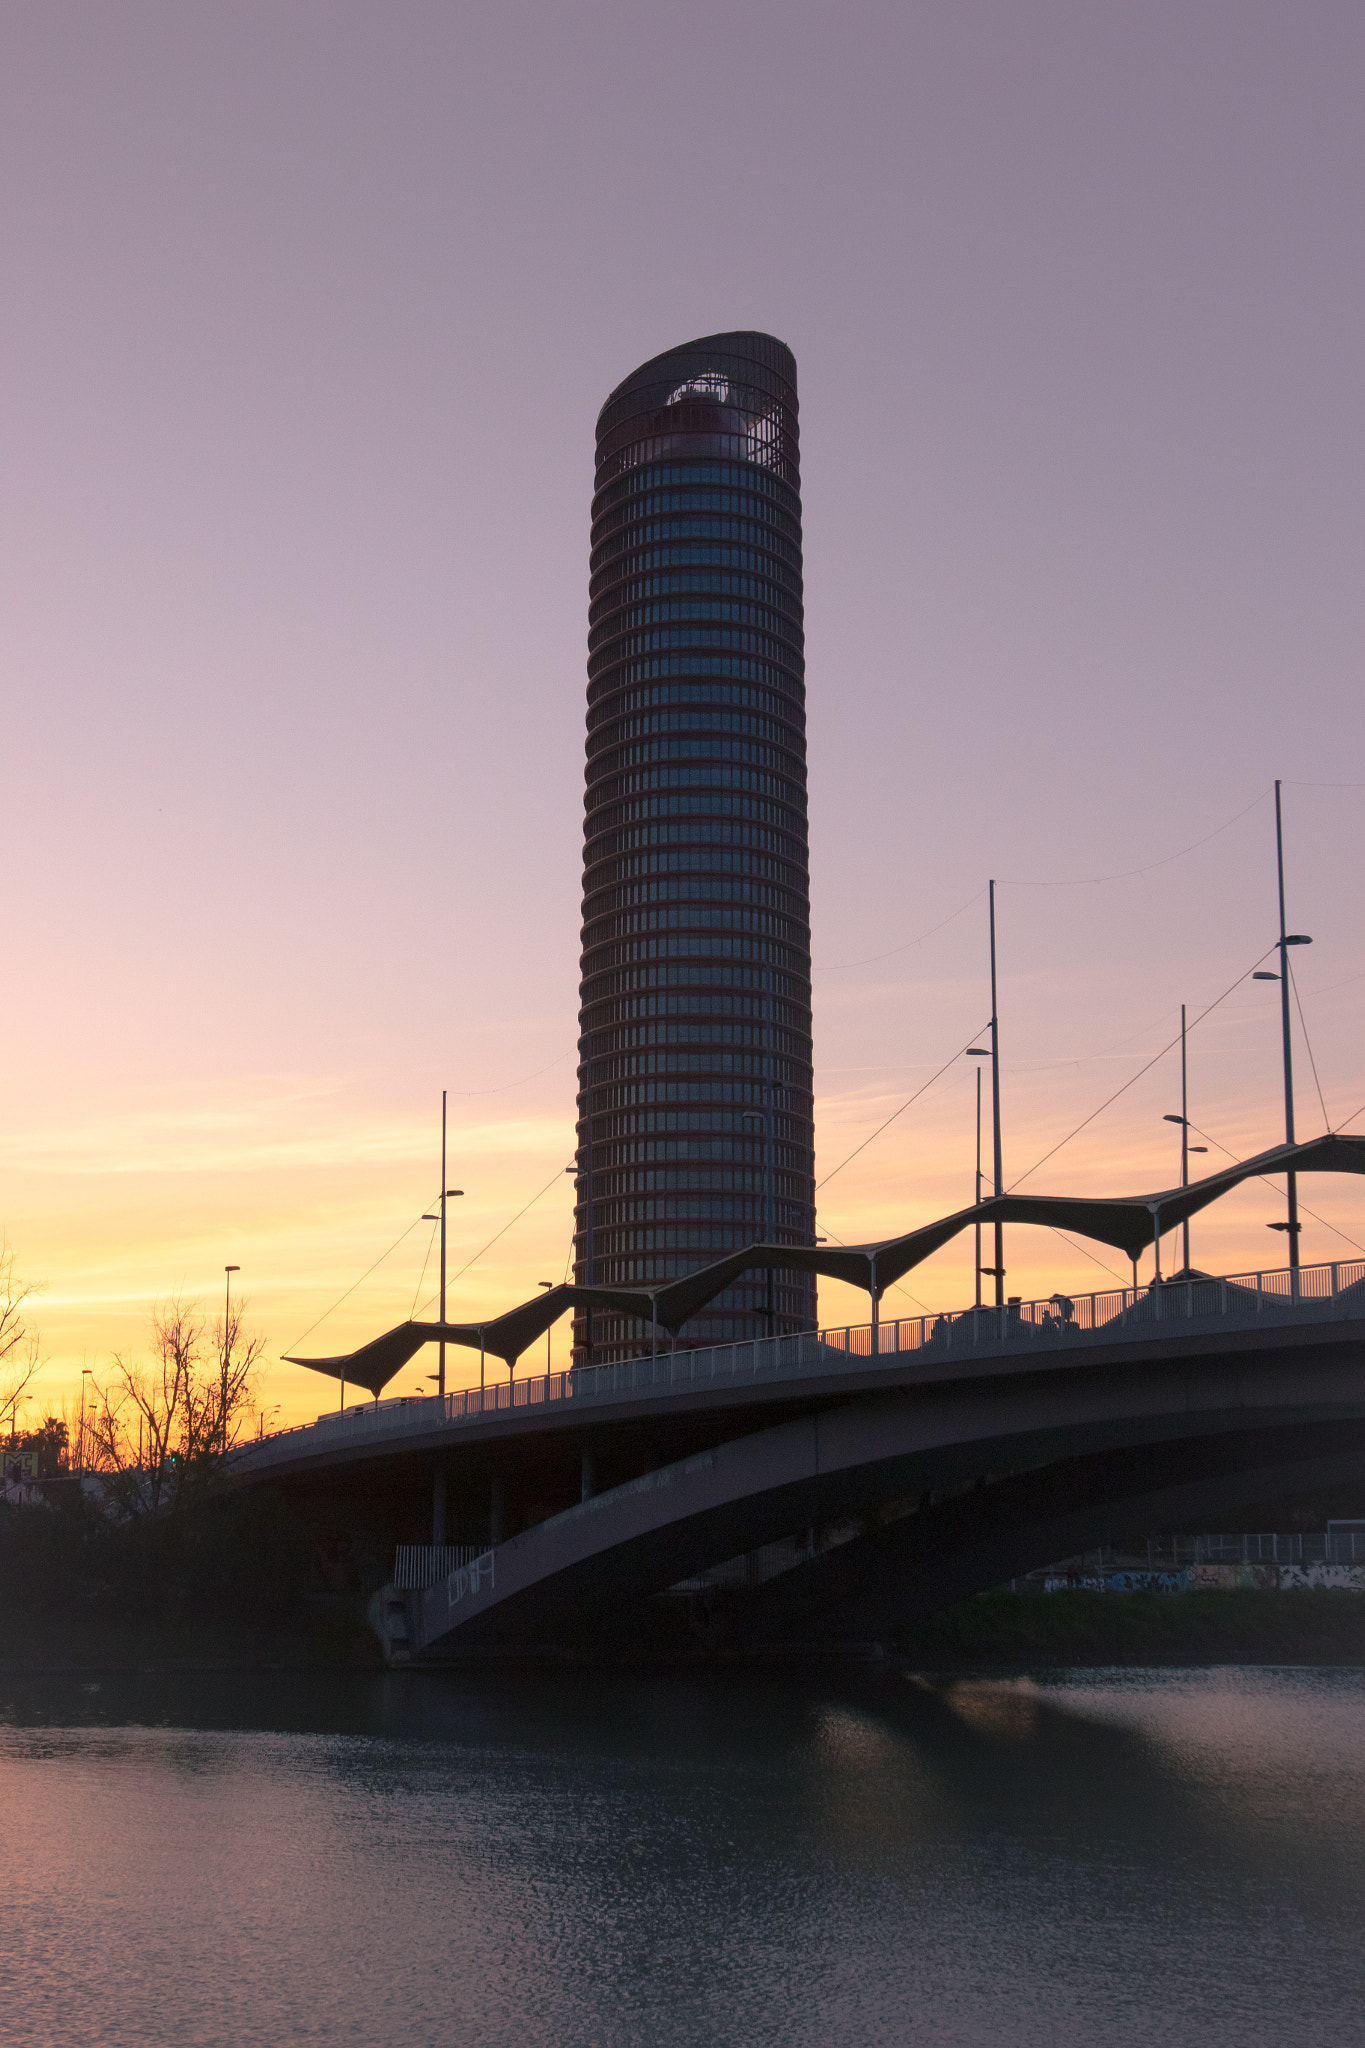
[[453, 1191], [232, 1269], [978, 1052], [1199, 1148], [571, 1169], [545, 1283], [1298, 939], [427, 1217], [1175, 1120], [1264, 974]]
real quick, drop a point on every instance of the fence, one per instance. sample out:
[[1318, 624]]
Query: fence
[[1239, 1300], [1060, 1318], [417, 1565], [1331, 1548]]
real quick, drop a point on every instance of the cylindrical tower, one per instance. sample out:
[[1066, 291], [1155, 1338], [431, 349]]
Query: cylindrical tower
[[695, 1118]]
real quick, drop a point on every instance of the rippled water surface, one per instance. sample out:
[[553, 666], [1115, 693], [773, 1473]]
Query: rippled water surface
[[1099, 1858]]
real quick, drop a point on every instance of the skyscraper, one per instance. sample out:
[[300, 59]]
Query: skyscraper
[[695, 1117]]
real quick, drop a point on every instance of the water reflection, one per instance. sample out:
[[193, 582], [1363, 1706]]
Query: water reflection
[[613, 1858]]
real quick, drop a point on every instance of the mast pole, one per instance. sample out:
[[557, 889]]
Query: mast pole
[[1291, 1179], [995, 1119]]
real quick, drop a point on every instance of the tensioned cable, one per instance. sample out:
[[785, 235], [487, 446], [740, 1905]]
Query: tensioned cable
[[1087, 1254], [558, 1175], [1079, 882], [423, 1274], [467, 1094], [896, 1286], [1138, 1075], [356, 1283], [1326, 1120], [1127, 874], [1274, 1190], [873, 958], [1352, 1117], [1328, 987], [895, 1113]]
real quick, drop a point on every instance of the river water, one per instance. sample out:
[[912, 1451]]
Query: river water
[[609, 1859]]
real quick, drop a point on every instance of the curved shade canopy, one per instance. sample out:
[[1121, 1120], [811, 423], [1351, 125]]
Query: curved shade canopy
[[1129, 1223]]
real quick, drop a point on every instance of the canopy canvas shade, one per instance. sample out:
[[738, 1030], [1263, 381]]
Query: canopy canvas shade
[[1128, 1223]]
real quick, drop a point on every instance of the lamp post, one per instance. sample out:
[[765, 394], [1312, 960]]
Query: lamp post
[[1286, 940], [978, 1052], [440, 1218], [80, 1435], [585, 1182], [228, 1272], [764, 1117], [995, 1119], [584, 1169], [1185, 1146], [548, 1328]]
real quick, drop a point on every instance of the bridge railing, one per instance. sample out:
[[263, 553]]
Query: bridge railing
[[1057, 1320], [1060, 1317]]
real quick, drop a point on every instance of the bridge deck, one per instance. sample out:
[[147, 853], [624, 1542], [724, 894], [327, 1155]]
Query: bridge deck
[[953, 1345]]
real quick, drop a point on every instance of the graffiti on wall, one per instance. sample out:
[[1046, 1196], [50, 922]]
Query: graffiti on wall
[[1217, 1578]]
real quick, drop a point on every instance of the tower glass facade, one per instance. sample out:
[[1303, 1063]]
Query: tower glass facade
[[695, 1116]]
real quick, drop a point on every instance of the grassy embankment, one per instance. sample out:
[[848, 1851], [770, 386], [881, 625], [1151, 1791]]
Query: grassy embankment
[[250, 1581], [240, 1581], [1142, 1628]]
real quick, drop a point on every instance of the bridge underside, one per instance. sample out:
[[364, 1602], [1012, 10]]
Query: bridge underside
[[903, 1570], [952, 1489]]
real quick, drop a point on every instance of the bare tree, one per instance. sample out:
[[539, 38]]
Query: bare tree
[[239, 1361], [158, 1431], [19, 1355]]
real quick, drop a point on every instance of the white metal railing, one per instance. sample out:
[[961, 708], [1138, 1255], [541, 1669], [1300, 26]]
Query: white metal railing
[[1177, 1553], [1315, 1547], [416, 1565], [1239, 1300]]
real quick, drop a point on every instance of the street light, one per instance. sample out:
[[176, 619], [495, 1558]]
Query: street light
[[764, 1117], [585, 1183], [227, 1350], [548, 1328], [583, 1168], [440, 1217], [978, 1052], [80, 1440], [1286, 940], [998, 1269]]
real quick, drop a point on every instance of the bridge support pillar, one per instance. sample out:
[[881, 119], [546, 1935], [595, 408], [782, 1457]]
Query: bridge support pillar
[[496, 1507], [438, 1506], [589, 1473]]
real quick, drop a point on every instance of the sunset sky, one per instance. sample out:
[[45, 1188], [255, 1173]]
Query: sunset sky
[[310, 311]]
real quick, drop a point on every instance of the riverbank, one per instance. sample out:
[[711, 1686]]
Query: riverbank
[[1102, 1629], [333, 1642], [996, 1631]]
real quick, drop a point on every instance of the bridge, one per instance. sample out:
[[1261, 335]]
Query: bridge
[[887, 1468]]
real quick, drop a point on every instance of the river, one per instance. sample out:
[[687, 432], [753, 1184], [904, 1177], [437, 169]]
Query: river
[[595, 1859]]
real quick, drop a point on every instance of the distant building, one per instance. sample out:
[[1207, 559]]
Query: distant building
[[695, 1116]]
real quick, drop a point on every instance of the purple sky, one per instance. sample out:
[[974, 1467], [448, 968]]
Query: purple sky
[[309, 313]]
